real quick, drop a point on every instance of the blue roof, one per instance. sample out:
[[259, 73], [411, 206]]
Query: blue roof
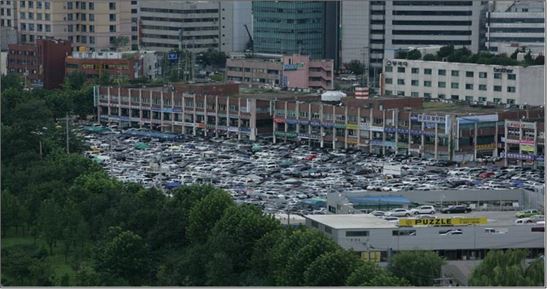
[[375, 200]]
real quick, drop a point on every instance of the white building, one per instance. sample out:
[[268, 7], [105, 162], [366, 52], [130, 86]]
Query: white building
[[369, 28], [516, 24], [470, 82]]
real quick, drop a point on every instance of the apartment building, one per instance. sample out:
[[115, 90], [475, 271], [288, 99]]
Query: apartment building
[[513, 24], [41, 64], [8, 34], [288, 71], [514, 85], [89, 25], [391, 125], [296, 27], [134, 11], [205, 110]]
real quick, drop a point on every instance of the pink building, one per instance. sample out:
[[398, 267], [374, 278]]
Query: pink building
[[288, 71]]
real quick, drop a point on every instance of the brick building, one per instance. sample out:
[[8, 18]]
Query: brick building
[[41, 64], [119, 66]]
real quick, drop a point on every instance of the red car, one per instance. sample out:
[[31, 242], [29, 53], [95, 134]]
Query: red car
[[310, 157], [486, 175]]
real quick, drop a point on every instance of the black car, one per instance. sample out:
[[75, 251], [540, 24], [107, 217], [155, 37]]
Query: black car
[[456, 209]]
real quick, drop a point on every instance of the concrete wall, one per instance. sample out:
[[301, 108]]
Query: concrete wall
[[355, 30]]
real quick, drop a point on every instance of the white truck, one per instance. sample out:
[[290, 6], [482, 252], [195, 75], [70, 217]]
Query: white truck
[[392, 170]]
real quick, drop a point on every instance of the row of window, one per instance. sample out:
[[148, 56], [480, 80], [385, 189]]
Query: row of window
[[7, 12], [443, 72], [39, 27], [30, 4], [31, 16], [82, 28], [454, 85], [467, 98]]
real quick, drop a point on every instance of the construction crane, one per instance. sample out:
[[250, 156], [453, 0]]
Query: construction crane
[[251, 40]]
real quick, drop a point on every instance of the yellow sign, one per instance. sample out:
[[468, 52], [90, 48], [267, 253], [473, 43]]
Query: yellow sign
[[526, 148], [371, 256], [352, 126], [442, 222]]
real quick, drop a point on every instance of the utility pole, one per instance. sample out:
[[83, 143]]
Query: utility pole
[[67, 130]]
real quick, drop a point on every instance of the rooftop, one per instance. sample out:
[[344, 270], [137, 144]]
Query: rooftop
[[357, 221]]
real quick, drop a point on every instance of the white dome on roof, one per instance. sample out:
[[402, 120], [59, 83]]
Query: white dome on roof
[[332, 95]]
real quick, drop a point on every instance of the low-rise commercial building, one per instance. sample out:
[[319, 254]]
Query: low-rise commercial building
[[204, 110], [470, 82], [523, 142], [388, 126], [284, 71], [41, 64]]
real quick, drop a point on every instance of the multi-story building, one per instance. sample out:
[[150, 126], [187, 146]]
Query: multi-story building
[[514, 85], [134, 10], [390, 125], [523, 142], [41, 64], [8, 34], [119, 66], [204, 110], [97, 25], [513, 24], [295, 27], [289, 71], [370, 28]]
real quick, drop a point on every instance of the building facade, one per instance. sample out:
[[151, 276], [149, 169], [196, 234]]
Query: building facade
[[288, 27], [523, 143], [516, 24], [389, 126], [8, 34], [41, 64], [288, 71], [117, 65], [207, 111], [98, 25], [470, 82]]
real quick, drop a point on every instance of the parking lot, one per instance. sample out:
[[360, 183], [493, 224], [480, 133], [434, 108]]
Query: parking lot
[[283, 178]]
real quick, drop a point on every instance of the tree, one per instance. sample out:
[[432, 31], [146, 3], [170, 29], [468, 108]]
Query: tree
[[331, 268], [539, 60], [401, 54], [261, 261], [25, 265], [356, 67], [528, 59], [11, 81], [123, 257], [75, 80], [429, 57], [419, 268], [204, 215], [446, 51], [50, 222], [507, 268], [185, 268], [370, 274], [414, 54]]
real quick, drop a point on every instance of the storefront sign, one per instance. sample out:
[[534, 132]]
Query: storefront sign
[[520, 124], [303, 136], [486, 147], [517, 156], [383, 143], [315, 123], [245, 129], [352, 126], [527, 148], [352, 141], [200, 125], [364, 126], [339, 125], [428, 118], [443, 222], [279, 120], [377, 128], [304, 122], [328, 124], [527, 142], [233, 129], [291, 121], [396, 62]]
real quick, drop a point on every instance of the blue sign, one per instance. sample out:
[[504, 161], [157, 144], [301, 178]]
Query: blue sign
[[172, 56]]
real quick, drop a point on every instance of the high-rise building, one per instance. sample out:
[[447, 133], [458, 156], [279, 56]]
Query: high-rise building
[[7, 24], [288, 27], [97, 25], [134, 6], [369, 28], [512, 24]]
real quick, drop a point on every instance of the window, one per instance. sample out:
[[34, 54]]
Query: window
[[496, 100], [112, 17], [482, 98], [441, 84], [511, 89], [70, 5], [92, 39], [31, 26], [70, 16], [39, 4], [31, 4], [389, 68], [427, 95], [70, 28], [469, 86], [414, 82], [469, 74], [454, 85], [91, 6], [511, 76], [31, 15], [47, 17], [414, 70], [441, 72], [47, 5], [400, 93], [401, 69], [39, 27], [357, 233], [427, 83], [469, 98], [497, 88], [388, 81], [22, 4], [454, 97], [454, 73], [38, 16], [483, 75], [510, 101], [92, 28], [414, 93], [401, 81], [91, 17], [48, 28], [112, 28], [497, 76], [112, 6], [22, 15], [427, 71], [83, 28], [482, 87]]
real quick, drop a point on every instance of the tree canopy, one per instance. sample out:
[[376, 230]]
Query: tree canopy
[[508, 268]]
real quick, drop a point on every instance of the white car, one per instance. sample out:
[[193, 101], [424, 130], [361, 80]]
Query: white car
[[393, 220], [451, 232], [400, 212], [523, 221], [423, 210]]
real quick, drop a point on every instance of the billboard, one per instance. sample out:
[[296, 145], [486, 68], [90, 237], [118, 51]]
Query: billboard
[[442, 222]]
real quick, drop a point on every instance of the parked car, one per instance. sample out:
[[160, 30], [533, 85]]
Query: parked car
[[456, 209], [523, 221], [527, 213], [399, 212], [377, 213], [451, 232], [423, 210]]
